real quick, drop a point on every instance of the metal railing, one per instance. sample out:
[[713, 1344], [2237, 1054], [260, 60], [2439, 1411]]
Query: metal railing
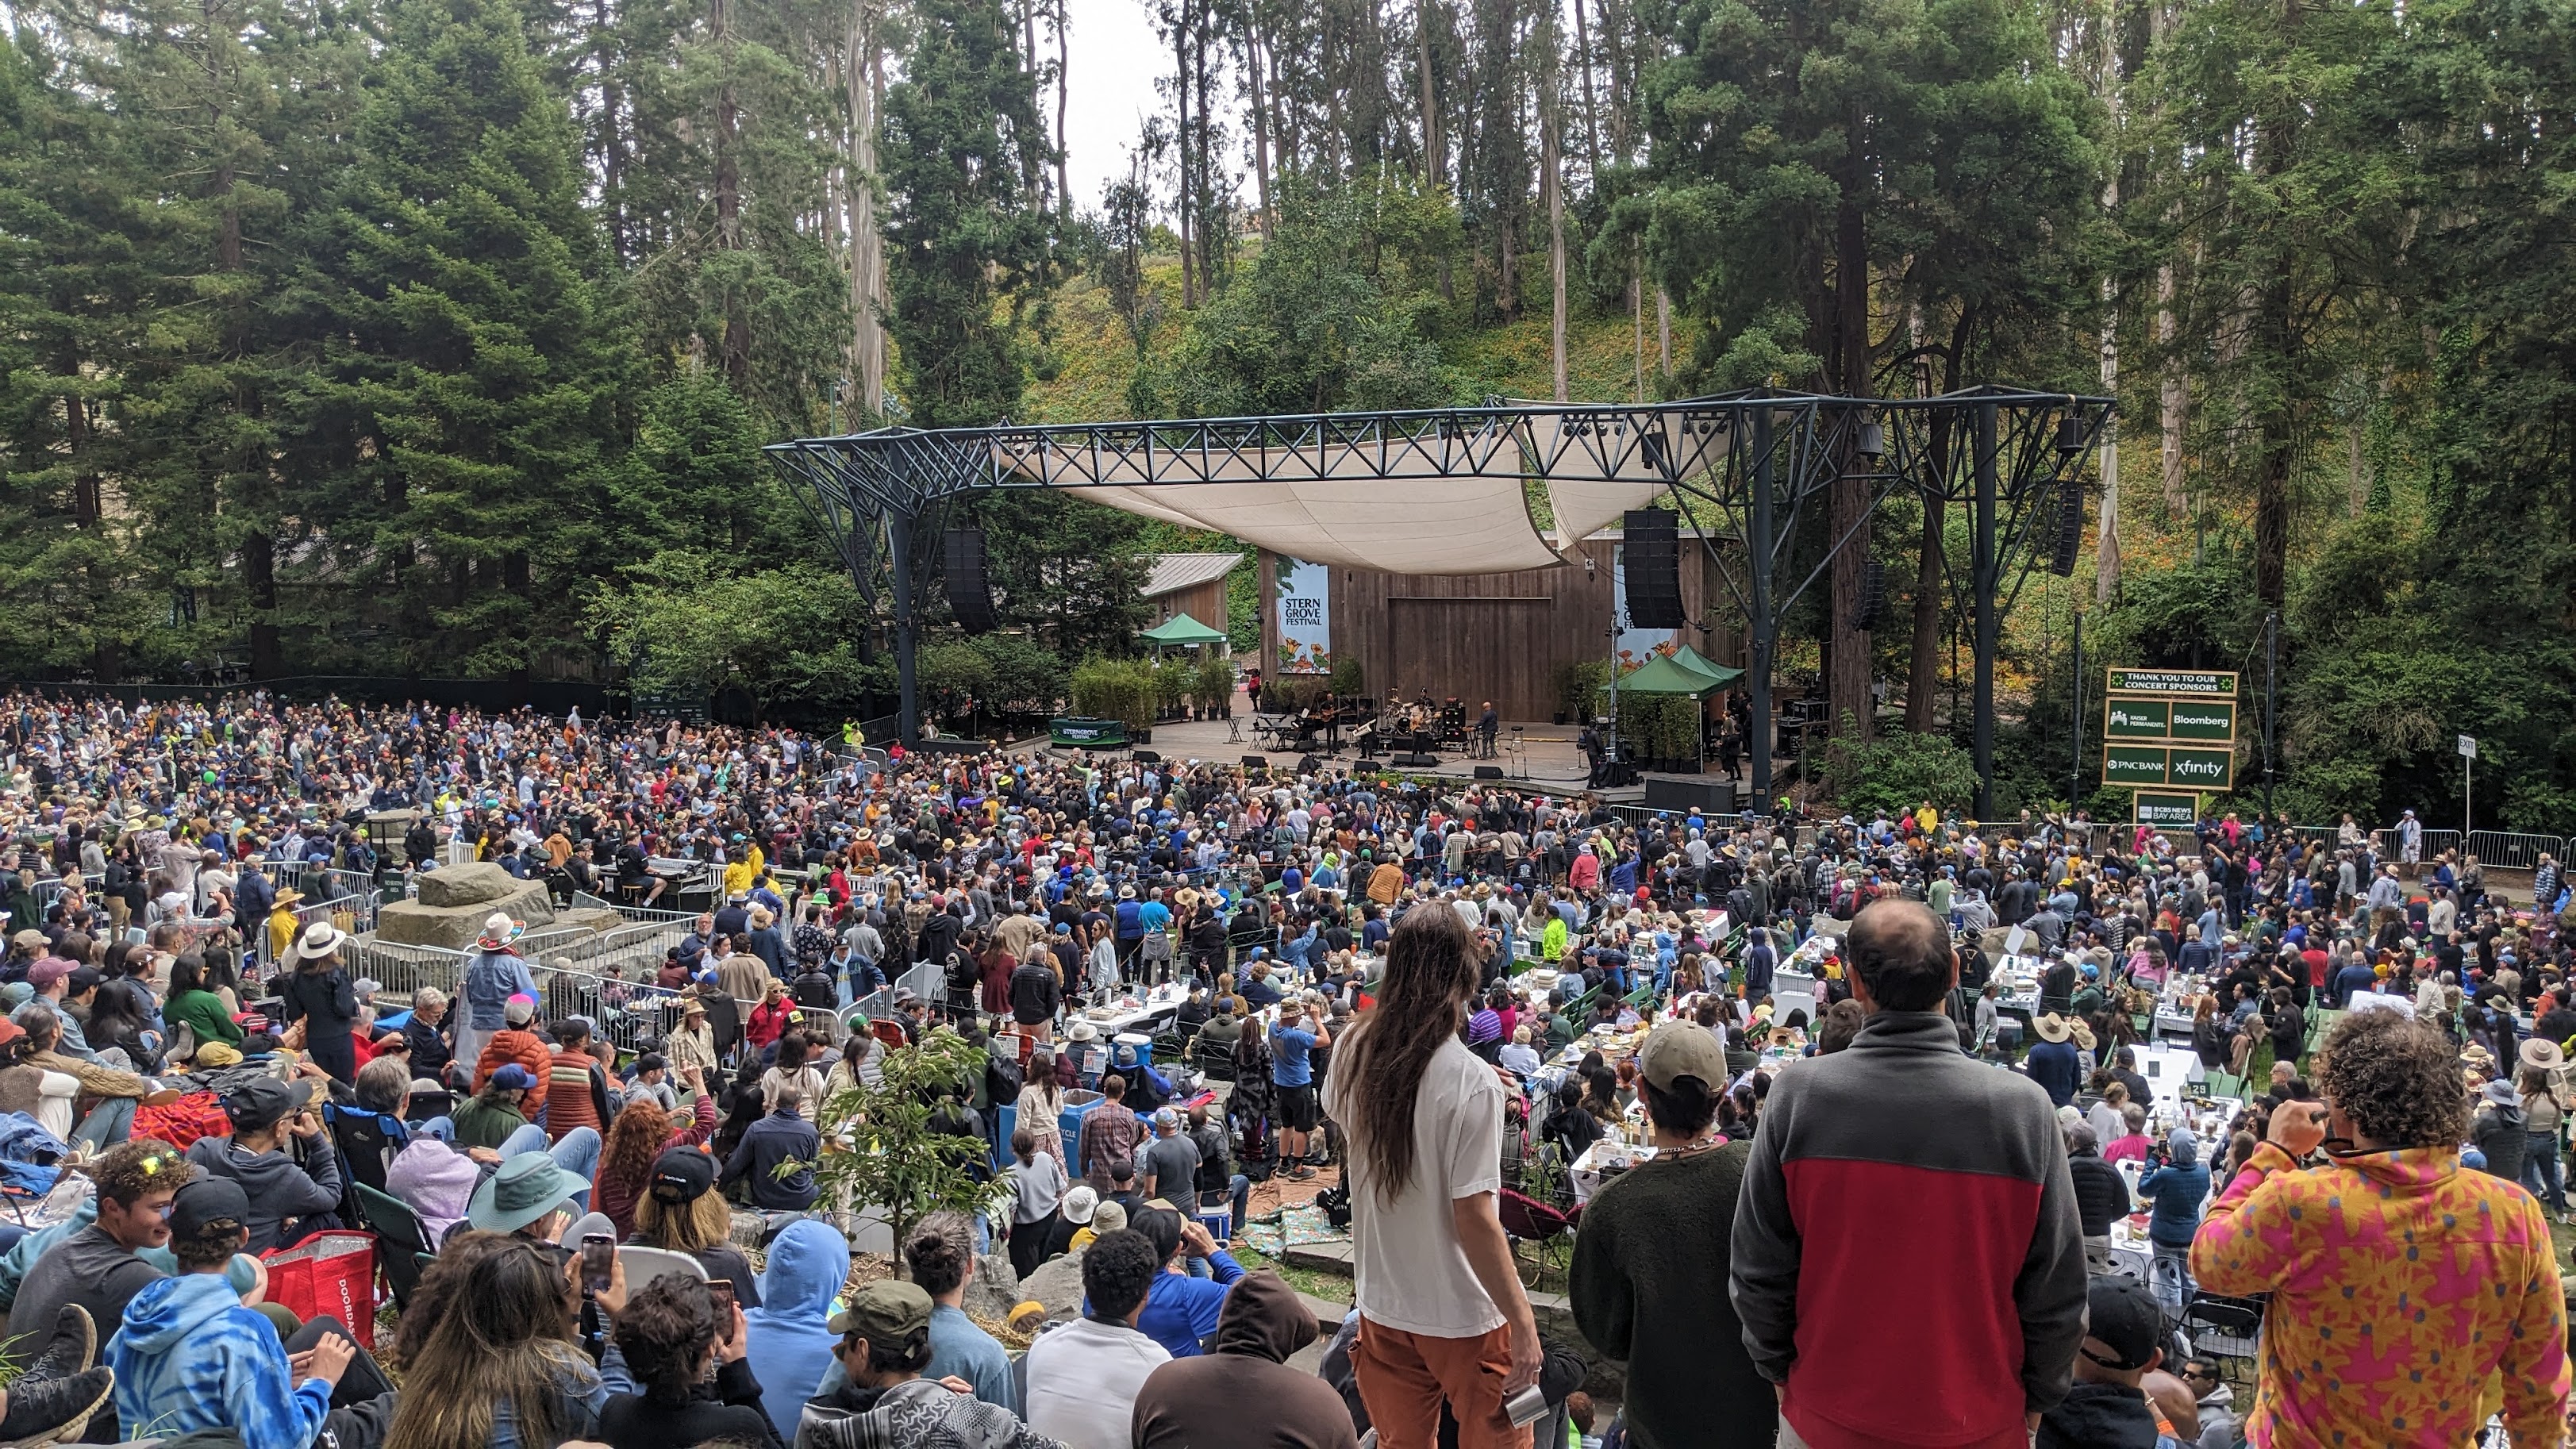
[[2515, 850], [401, 970], [627, 1014]]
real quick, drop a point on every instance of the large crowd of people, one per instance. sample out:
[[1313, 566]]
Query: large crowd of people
[[1844, 1127]]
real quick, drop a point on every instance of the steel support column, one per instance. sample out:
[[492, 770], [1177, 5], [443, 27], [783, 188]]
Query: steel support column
[[1761, 629], [1983, 569], [899, 549]]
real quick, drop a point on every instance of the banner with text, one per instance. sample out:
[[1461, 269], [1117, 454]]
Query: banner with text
[[1305, 617]]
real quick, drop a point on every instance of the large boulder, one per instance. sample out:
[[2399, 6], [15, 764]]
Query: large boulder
[[455, 927], [994, 1290], [477, 883], [1057, 1283]]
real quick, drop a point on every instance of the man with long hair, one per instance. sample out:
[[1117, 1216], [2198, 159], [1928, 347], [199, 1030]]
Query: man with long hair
[[2400, 1285], [1442, 1315]]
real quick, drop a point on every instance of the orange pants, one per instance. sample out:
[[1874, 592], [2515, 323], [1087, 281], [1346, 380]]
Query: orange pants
[[1404, 1377]]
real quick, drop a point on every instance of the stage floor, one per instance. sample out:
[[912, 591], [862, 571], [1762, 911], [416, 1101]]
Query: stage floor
[[1546, 759]]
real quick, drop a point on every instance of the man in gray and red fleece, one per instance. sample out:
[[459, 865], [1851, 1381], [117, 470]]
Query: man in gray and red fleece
[[1907, 1258]]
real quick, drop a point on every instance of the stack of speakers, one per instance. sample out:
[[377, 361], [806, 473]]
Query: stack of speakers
[[970, 594], [1650, 558]]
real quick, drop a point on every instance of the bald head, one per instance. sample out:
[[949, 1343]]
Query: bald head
[[1900, 953]]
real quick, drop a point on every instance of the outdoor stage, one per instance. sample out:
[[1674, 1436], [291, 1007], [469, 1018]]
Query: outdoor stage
[[1553, 764]]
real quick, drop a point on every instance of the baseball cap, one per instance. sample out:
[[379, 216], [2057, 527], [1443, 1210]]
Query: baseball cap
[[208, 1202], [46, 972], [887, 1314], [263, 1100], [2122, 1316], [513, 1077], [1680, 1049], [81, 979], [683, 1174], [519, 1010]]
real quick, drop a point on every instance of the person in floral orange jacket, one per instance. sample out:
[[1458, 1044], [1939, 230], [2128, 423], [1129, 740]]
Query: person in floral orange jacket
[[2410, 1299]]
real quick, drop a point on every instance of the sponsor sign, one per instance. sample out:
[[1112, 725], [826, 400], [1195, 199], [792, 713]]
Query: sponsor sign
[[2217, 683], [2137, 719], [2150, 766], [2154, 808]]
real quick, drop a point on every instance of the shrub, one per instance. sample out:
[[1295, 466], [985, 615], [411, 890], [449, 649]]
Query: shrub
[[1898, 771]]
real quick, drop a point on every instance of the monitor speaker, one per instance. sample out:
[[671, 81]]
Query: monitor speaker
[[1146, 757], [1489, 772], [1417, 762], [1650, 560], [970, 594]]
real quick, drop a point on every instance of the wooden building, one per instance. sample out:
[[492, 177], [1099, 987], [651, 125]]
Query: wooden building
[[1189, 583], [1503, 637]]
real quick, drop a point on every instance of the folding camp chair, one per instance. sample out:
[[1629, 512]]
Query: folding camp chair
[[402, 1244], [1549, 1233], [2226, 1330]]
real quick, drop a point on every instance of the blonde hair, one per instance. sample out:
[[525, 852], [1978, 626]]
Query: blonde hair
[[683, 1228]]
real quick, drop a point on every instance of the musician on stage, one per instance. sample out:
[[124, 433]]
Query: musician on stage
[[1488, 725]]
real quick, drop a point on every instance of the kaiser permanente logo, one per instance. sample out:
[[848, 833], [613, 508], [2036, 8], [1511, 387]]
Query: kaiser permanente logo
[[2121, 717]]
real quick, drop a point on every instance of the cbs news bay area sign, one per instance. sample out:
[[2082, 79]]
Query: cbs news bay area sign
[[2169, 735]]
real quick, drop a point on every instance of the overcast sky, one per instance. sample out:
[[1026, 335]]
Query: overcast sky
[[1115, 60]]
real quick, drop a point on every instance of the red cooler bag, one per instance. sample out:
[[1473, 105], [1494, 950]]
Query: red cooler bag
[[333, 1273]]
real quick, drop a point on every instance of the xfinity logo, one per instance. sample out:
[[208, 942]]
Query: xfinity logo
[[2206, 768]]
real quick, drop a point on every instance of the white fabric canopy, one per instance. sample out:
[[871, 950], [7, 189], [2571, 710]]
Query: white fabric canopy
[[1599, 465], [1329, 502]]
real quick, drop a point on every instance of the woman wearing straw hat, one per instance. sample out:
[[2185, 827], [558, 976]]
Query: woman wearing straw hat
[[319, 993], [2544, 1121]]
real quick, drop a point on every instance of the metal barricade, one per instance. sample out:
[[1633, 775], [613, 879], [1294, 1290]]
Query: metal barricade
[[2515, 850], [627, 1014], [402, 970], [2387, 846]]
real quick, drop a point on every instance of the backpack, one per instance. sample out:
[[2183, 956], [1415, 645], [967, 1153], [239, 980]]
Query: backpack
[[1002, 1077]]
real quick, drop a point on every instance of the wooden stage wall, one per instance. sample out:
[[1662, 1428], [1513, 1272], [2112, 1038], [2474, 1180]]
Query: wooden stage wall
[[1503, 636]]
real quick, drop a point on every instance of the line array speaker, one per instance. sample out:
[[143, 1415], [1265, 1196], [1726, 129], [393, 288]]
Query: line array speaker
[[2070, 527], [970, 594], [1650, 558], [1872, 608]]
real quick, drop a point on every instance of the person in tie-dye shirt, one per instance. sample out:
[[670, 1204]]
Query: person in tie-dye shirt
[[2410, 1299]]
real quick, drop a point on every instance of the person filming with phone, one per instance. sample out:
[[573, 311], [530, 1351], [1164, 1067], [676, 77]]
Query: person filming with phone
[[2417, 1281]]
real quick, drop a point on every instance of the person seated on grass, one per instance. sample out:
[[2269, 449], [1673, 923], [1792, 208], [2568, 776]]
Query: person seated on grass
[[884, 1350], [500, 1366], [191, 1355], [673, 1337]]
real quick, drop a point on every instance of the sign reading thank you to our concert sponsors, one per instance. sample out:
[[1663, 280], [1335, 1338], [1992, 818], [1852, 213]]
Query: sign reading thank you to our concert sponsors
[[2220, 683]]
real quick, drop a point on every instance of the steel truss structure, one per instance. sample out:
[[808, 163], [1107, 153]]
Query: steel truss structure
[[1754, 469]]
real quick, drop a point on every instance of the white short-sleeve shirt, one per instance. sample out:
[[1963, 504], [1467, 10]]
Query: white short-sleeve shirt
[[1409, 1270]]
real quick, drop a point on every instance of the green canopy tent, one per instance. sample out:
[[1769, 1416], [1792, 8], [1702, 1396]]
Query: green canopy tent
[[1664, 674], [1690, 658], [1181, 629], [1668, 677]]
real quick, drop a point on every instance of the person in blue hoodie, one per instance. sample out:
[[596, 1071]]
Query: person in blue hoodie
[[2177, 1185], [791, 1348], [190, 1356]]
